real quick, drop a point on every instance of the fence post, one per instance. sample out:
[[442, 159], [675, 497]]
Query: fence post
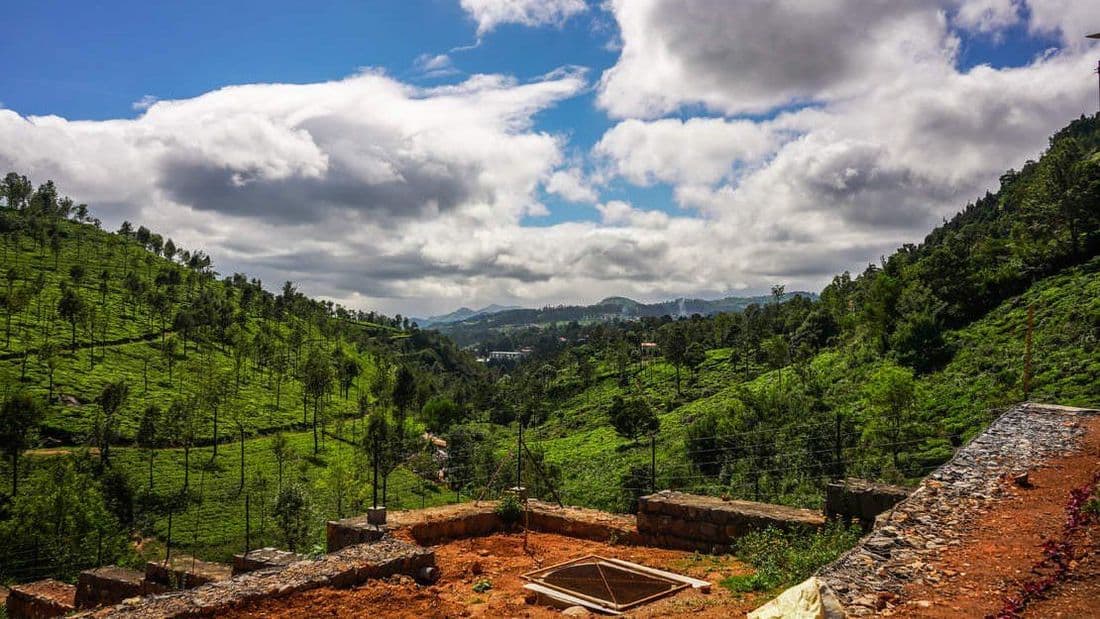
[[653, 463], [519, 455], [168, 542], [247, 525]]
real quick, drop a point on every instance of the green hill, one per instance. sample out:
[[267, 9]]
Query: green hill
[[222, 363], [590, 461]]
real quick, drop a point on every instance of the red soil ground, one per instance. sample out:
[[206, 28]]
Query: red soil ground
[[1000, 549], [501, 559]]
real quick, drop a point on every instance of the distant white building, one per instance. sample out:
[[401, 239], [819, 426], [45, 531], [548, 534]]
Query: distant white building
[[507, 355]]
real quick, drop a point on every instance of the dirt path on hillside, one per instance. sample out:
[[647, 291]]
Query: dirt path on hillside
[[998, 552], [501, 560], [122, 341]]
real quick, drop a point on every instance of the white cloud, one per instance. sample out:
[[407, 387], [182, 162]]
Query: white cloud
[[571, 185], [754, 55], [987, 16], [491, 13], [144, 103], [693, 151], [435, 65], [1069, 19], [808, 191]]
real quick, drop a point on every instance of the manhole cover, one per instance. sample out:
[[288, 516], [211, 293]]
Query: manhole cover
[[609, 583]]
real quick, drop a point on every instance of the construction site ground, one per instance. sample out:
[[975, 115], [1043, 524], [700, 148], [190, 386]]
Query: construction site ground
[[501, 560]]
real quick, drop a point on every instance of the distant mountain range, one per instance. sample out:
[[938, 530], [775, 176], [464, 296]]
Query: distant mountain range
[[463, 313], [466, 325]]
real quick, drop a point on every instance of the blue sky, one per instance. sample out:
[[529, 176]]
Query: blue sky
[[686, 131]]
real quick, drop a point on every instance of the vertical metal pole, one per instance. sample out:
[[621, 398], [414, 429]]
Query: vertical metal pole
[[247, 525], [168, 543], [519, 456], [653, 463]]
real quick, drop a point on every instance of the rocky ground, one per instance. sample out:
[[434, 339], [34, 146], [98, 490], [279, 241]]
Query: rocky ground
[[970, 533]]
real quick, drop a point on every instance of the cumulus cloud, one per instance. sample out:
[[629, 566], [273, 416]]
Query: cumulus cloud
[[987, 16], [571, 185], [491, 13], [753, 55], [692, 151], [896, 136]]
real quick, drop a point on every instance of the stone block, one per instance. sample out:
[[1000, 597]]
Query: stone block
[[41, 599], [108, 585], [350, 531]]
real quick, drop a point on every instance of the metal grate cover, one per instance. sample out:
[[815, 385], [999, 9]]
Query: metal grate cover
[[616, 585]]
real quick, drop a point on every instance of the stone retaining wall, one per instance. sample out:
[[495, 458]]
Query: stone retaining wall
[[41, 599], [907, 540], [346, 568], [690, 522]]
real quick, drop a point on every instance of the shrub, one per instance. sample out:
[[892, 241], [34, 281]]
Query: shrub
[[510, 509], [783, 558]]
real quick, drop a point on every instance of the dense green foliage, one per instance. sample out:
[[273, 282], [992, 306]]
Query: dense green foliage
[[785, 558]]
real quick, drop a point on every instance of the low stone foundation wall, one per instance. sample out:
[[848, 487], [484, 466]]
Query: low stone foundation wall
[[690, 522], [110, 585], [41, 599], [862, 500], [345, 568], [439, 524], [584, 523], [263, 558]]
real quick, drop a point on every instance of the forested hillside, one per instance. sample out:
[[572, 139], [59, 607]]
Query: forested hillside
[[508, 328], [131, 368]]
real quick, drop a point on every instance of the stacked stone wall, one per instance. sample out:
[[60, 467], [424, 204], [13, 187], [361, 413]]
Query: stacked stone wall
[[691, 522]]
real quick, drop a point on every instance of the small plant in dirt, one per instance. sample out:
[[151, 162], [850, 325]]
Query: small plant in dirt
[[510, 509], [482, 585], [783, 558]]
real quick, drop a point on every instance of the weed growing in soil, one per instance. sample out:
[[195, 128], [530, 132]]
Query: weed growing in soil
[[783, 558]]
